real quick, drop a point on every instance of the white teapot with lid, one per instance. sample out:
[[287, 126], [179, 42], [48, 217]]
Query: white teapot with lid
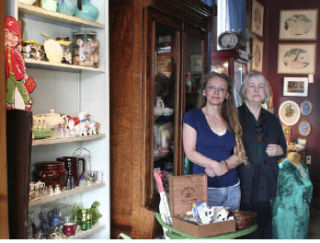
[[53, 119]]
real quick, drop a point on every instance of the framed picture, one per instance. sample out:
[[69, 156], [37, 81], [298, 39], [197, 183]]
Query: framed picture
[[257, 55], [298, 24], [295, 86], [257, 18], [296, 58], [196, 63], [289, 113]]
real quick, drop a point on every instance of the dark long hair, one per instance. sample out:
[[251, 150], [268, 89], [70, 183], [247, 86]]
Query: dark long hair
[[229, 111]]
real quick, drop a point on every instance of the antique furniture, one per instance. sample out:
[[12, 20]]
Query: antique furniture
[[158, 53]]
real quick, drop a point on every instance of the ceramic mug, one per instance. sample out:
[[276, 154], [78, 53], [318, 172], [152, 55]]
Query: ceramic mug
[[69, 229]]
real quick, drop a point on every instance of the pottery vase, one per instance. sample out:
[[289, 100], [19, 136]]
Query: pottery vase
[[88, 12], [66, 7]]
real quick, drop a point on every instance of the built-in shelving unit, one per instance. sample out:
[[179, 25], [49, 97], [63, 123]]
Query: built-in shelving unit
[[59, 66], [46, 14], [70, 89], [48, 141], [64, 194], [83, 234]]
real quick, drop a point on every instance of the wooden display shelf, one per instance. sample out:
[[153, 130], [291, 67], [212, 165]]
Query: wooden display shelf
[[64, 194], [83, 234], [59, 66], [63, 18], [48, 141]]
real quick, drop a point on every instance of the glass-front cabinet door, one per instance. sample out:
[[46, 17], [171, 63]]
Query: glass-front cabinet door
[[164, 90], [175, 65], [195, 66]]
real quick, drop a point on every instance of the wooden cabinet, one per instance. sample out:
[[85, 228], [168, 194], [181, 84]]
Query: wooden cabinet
[[158, 53], [70, 89], [4, 224]]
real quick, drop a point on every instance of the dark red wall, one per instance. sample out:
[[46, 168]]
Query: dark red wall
[[271, 41]]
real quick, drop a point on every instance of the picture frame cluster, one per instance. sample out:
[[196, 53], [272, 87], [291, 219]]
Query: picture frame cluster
[[257, 44], [297, 25]]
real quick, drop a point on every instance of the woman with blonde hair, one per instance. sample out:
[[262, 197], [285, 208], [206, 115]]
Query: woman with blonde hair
[[212, 141]]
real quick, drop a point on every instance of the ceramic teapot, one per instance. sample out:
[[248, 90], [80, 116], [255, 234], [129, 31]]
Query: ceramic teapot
[[159, 108], [53, 119]]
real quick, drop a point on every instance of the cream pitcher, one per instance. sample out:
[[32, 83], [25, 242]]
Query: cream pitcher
[[159, 108]]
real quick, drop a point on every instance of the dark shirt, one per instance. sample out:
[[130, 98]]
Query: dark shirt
[[212, 146], [259, 180]]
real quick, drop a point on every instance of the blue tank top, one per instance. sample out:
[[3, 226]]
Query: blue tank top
[[212, 146]]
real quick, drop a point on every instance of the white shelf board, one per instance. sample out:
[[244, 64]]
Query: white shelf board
[[59, 66], [63, 18], [64, 194], [83, 234], [49, 141]]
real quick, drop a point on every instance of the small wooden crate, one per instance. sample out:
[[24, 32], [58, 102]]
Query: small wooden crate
[[188, 189]]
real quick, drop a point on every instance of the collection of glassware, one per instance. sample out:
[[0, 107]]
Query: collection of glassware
[[62, 220]]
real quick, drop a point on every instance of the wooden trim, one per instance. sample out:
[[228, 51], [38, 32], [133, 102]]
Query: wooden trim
[[4, 227], [194, 12]]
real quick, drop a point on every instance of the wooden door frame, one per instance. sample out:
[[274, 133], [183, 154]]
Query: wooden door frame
[[4, 226]]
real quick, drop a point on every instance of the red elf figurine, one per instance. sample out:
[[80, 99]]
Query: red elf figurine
[[15, 68]]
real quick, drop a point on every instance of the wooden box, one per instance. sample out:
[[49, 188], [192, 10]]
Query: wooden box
[[188, 189]]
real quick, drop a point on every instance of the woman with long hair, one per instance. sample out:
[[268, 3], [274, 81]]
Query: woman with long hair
[[212, 140]]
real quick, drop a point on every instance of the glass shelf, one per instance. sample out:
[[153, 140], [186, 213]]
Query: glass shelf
[[64, 194], [59, 17]]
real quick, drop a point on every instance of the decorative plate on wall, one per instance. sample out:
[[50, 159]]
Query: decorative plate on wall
[[304, 128], [289, 113], [306, 107]]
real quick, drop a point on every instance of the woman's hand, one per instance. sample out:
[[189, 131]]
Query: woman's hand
[[273, 150], [216, 169]]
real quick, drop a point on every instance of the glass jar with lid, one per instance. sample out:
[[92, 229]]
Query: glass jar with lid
[[65, 43], [85, 48]]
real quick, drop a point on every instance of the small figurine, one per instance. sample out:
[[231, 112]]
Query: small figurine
[[16, 75], [94, 128], [85, 119]]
